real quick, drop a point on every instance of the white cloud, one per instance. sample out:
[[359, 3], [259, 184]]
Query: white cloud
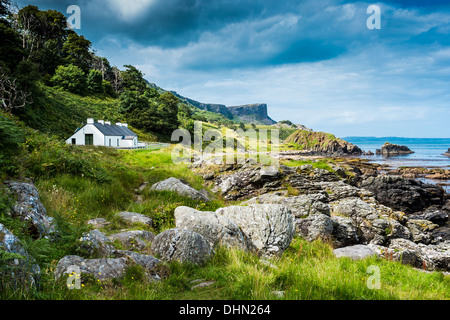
[[129, 10]]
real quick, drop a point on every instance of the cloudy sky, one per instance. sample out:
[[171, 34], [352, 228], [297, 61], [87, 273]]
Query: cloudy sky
[[313, 62]]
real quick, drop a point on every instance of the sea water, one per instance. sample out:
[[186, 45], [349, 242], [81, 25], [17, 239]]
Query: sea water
[[428, 152]]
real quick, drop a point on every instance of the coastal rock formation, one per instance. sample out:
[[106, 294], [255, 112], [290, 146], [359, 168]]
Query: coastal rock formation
[[374, 210], [447, 153], [320, 143], [252, 113], [393, 149], [175, 185], [402, 194]]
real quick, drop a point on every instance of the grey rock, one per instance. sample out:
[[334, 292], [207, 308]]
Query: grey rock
[[215, 228], [433, 214], [22, 271], [268, 228], [355, 252], [345, 232], [355, 208], [407, 252], [134, 239], [148, 262], [181, 245], [421, 230], [95, 244], [29, 208], [300, 206], [133, 217], [102, 269], [175, 185], [314, 227]]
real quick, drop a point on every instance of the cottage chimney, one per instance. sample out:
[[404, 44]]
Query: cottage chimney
[[90, 121], [125, 125], [119, 124], [101, 121], [108, 123]]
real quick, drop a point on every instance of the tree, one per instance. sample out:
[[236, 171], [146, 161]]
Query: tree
[[10, 46], [133, 79], [77, 51], [168, 111], [242, 126], [94, 81], [4, 7], [11, 95], [70, 78]]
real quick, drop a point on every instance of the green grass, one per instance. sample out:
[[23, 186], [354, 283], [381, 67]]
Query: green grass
[[317, 164], [306, 271]]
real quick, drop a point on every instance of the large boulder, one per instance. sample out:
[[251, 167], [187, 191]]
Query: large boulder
[[215, 228], [19, 269], [268, 228], [175, 185], [181, 245], [28, 207]]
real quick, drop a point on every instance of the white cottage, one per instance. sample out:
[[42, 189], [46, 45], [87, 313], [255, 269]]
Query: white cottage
[[103, 133]]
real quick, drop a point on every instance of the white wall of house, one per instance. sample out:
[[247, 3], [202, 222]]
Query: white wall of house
[[80, 136], [99, 139]]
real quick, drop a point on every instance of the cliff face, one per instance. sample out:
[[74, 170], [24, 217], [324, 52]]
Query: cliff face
[[320, 143], [252, 113]]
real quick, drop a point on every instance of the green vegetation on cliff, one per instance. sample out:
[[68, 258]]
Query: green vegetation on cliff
[[320, 142]]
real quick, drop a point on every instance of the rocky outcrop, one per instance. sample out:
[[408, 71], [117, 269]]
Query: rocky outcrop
[[267, 228], [320, 143], [175, 185], [447, 153], [28, 207], [390, 149], [182, 245], [252, 113], [402, 194], [215, 228]]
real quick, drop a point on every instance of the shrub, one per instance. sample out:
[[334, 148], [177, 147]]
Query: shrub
[[70, 78]]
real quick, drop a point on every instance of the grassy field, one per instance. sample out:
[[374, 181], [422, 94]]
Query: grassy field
[[305, 271]]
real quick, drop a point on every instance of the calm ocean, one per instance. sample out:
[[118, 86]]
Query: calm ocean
[[428, 152]]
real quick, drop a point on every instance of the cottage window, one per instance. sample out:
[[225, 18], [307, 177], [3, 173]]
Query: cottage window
[[89, 139]]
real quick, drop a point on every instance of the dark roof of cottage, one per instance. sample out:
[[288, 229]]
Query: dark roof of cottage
[[114, 130]]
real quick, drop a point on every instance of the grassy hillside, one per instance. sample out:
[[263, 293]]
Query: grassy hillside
[[307, 140]]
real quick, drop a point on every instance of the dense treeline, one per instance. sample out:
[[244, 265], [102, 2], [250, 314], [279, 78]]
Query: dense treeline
[[39, 49]]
